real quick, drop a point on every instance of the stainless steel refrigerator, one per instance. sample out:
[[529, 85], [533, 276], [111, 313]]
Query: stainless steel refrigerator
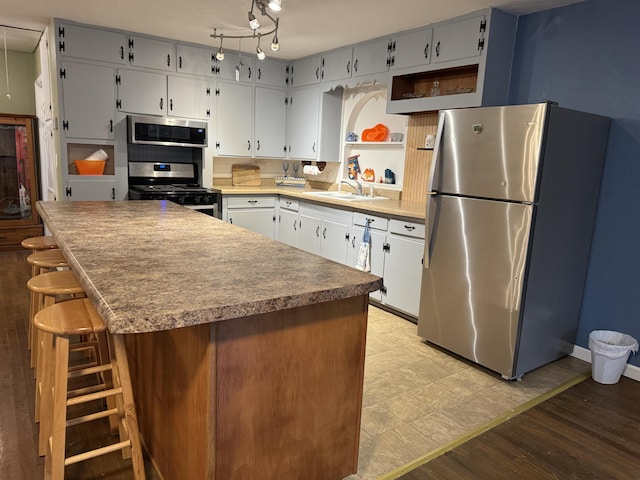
[[513, 196]]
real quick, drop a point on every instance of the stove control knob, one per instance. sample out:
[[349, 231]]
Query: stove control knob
[[196, 199], [181, 200]]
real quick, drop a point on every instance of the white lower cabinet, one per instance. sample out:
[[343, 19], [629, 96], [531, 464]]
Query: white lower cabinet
[[397, 249], [92, 188], [288, 224], [378, 235], [255, 213], [324, 231], [404, 253]]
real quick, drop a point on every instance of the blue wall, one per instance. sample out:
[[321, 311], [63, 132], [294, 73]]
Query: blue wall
[[586, 57]]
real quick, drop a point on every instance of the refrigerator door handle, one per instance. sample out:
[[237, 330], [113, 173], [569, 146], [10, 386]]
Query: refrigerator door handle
[[432, 197]]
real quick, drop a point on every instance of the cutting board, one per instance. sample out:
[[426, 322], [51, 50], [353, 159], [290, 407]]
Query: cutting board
[[245, 175]]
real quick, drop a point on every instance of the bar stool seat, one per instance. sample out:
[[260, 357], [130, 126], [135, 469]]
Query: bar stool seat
[[39, 243], [47, 259], [63, 320], [49, 288]]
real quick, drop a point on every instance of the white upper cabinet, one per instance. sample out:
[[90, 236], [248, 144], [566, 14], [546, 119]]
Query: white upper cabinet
[[234, 118], [305, 72], [270, 121], [188, 97], [337, 65], [271, 72], [411, 49], [151, 53], [89, 100], [195, 60], [92, 44], [304, 109], [371, 58], [236, 67], [142, 92], [458, 39]]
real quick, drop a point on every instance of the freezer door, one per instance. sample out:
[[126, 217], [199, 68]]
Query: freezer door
[[472, 289], [490, 152]]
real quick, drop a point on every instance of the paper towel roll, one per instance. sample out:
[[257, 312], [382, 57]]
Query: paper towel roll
[[310, 170]]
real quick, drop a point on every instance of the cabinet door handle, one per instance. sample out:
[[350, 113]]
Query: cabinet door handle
[[168, 60], [355, 66], [258, 145], [349, 66], [249, 70], [230, 220], [111, 125], [248, 144], [353, 242], [324, 232], [180, 62], [121, 52], [313, 147], [318, 231], [426, 51], [252, 202], [318, 73], [295, 227], [438, 49], [171, 104], [161, 103], [411, 228], [259, 74]]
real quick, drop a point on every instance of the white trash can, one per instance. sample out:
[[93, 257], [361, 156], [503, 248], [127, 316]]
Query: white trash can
[[609, 354]]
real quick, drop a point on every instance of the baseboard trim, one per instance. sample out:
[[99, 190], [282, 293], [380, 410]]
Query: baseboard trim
[[630, 371]]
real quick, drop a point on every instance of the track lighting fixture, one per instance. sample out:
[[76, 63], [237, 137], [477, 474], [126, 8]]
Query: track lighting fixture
[[259, 53], [220, 52], [255, 25]]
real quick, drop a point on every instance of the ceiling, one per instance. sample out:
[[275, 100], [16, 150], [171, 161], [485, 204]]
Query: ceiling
[[307, 26]]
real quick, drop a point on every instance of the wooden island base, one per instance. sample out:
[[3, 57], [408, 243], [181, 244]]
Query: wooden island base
[[270, 396]]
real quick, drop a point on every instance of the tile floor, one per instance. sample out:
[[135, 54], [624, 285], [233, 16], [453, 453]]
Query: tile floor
[[418, 398]]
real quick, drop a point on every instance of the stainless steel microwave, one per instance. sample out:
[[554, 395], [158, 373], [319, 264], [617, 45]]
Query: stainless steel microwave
[[166, 131]]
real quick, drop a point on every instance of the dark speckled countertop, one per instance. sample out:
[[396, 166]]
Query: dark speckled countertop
[[154, 265]]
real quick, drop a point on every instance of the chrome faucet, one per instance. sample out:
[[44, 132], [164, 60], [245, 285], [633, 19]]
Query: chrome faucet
[[357, 187]]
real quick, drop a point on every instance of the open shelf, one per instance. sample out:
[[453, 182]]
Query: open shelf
[[376, 144], [77, 151], [451, 81]]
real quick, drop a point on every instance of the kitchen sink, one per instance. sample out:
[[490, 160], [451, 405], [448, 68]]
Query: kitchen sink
[[350, 197]]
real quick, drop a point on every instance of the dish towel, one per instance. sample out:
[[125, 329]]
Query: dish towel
[[364, 258]]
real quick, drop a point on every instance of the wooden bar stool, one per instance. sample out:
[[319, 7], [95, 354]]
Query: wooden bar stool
[[39, 243], [50, 288], [63, 320], [41, 262]]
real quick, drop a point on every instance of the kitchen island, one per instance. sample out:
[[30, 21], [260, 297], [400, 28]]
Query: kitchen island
[[247, 356]]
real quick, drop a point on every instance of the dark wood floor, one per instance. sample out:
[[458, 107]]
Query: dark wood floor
[[19, 458], [590, 431]]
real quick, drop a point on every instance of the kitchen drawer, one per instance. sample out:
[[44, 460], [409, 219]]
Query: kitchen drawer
[[251, 202], [408, 229], [11, 237], [376, 223], [289, 204]]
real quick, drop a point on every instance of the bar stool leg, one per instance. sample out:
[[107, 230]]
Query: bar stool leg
[[54, 463]]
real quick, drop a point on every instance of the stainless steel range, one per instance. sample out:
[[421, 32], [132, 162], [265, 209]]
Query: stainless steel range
[[176, 182]]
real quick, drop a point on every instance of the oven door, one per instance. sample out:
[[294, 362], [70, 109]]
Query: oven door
[[211, 210]]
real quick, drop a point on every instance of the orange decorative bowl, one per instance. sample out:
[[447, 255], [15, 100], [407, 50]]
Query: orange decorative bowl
[[90, 167]]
